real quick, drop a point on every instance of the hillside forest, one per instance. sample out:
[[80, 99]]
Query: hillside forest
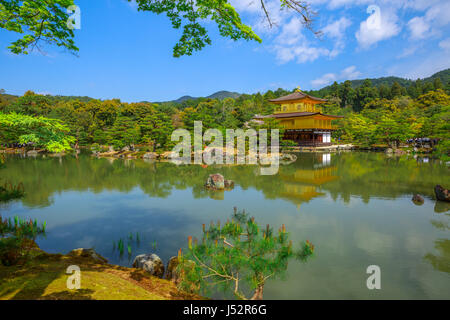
[[385, 111]]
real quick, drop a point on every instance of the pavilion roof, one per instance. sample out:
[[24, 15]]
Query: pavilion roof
[[300, 114], [297, 95]]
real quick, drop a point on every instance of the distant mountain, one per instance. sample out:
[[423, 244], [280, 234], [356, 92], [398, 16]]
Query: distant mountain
[[224, 94], [220, 95], [444, 75]]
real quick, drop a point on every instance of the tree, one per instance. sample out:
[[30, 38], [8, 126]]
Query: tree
[[156, 129], [50, 134], [392, 131], [125, 132], [189, 14], [48, 21], [384, 91], [359, 129], [239, 251], [39, 21], [396, 90], [334, 90], [347, 94], [364, 94], [437, 84]]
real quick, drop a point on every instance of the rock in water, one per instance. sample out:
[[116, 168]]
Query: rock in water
[[229, 184], [172, 273], [215, 182], [441, 193], [287, 158], [150, 263], [417, 199]]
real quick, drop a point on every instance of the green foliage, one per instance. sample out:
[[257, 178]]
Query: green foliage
[[125, 132], [189, 15], [50, 134], [38, 21], [235, 253], [384, 114], [393, 121], [17, 238]]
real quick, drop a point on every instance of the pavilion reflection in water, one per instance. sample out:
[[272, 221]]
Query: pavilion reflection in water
[[304, 182]]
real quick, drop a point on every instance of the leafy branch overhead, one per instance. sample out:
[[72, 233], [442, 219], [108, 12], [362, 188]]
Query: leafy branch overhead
[[190, 14], [38, 21], [47, 21]]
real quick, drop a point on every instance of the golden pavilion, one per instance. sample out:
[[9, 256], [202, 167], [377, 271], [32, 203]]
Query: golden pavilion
[[301, 116]]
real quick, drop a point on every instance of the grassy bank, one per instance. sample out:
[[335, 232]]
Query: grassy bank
[[43, 277]]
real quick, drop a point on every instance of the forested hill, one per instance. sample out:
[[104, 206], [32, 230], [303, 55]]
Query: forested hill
[[443, 75], [220, 95], [386, 82]]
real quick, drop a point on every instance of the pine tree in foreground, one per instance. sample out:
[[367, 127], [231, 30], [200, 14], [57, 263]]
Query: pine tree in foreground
[[236, 255]]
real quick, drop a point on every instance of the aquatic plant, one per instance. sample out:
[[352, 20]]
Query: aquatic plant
[[17, 238], [120, 246]]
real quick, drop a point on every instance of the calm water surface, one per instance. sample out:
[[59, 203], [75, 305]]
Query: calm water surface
[[355, 207]]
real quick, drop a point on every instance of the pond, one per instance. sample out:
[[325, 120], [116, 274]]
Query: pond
[[354, 207]]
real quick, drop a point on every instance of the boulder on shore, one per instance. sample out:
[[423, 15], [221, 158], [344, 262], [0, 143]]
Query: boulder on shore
[[215, 181], [442, 194], [88, 253], [150, 156], [32, 153], [417, 199], [172, 273], [150, 263]]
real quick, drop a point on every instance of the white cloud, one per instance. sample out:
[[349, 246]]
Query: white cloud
[[291, 33], [430, 24], [445, 44], [286, 38], [336, 30], [300, 53], [324, 80], [289, 40], [291, 45], [408, 51], [380, 25], [418, 27], [348, 73], [434, 62]]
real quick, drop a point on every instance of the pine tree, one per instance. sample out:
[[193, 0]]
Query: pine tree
[[396, 90], [236, 252]]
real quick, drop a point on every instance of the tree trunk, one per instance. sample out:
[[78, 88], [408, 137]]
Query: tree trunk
[[258, 295]]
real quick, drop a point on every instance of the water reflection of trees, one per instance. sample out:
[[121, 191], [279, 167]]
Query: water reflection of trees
[[342, 175], [441, 261]]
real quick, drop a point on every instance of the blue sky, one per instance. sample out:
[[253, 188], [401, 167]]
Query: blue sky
[[127, 54]]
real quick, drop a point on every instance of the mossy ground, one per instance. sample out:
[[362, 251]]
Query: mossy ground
[[43, 277]]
